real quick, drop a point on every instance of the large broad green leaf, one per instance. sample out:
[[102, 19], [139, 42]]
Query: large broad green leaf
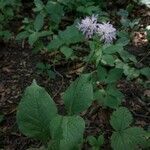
[[35, 112], [67, 132], [79, 96], [128, 139], [121, 119]]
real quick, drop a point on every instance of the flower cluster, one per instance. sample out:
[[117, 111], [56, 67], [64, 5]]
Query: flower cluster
[[89, 26]]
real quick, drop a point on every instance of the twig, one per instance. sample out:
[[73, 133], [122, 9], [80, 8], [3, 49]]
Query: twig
[[140, 115], [62, 82], [144, 57]]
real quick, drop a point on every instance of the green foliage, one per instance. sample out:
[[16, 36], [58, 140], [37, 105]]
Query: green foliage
[[88, 8], [8, 10], [108, 95], [51, 9], [114, 55], [37, 115], [79, 95], [96, 143], [69, 36], [145, 71], [125, 137], [37, 118], [45, 69], [145, 144], [68, 52], [39, 22], [35, 112], [32, 30], [55, 10], [127, 23], [121, 119], [67, 132]]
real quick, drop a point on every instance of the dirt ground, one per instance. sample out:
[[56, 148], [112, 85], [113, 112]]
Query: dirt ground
[[18, 69]]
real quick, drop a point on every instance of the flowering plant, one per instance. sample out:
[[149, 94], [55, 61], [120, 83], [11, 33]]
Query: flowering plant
[[37, 114], [90, 26]]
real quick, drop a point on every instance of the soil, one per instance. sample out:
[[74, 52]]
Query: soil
[[17, 71]]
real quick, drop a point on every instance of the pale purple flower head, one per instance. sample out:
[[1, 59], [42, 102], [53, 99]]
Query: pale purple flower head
[[107, 32], [88, 26]]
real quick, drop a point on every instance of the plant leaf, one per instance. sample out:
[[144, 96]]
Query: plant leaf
[[127, 139], [145, 71], [92, 141], [113, 91], [55, 44], [33, 38], [102, 73], [79, 95], [126, 56], [35, 112], [66, 51], [39, 5], [69, 36], [114, 75], [111, 49], [67, 132], [39, 22], [100, 140], [121, 119], [22, 35], [111, 101], [108, 59], [55, 10]]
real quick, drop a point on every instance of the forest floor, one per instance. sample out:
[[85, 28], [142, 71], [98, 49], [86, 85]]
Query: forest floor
[[18, 69]]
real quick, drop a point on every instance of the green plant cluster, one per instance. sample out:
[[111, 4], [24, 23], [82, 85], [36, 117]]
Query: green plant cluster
[[37, 114], [8, 11], [38, 118]]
